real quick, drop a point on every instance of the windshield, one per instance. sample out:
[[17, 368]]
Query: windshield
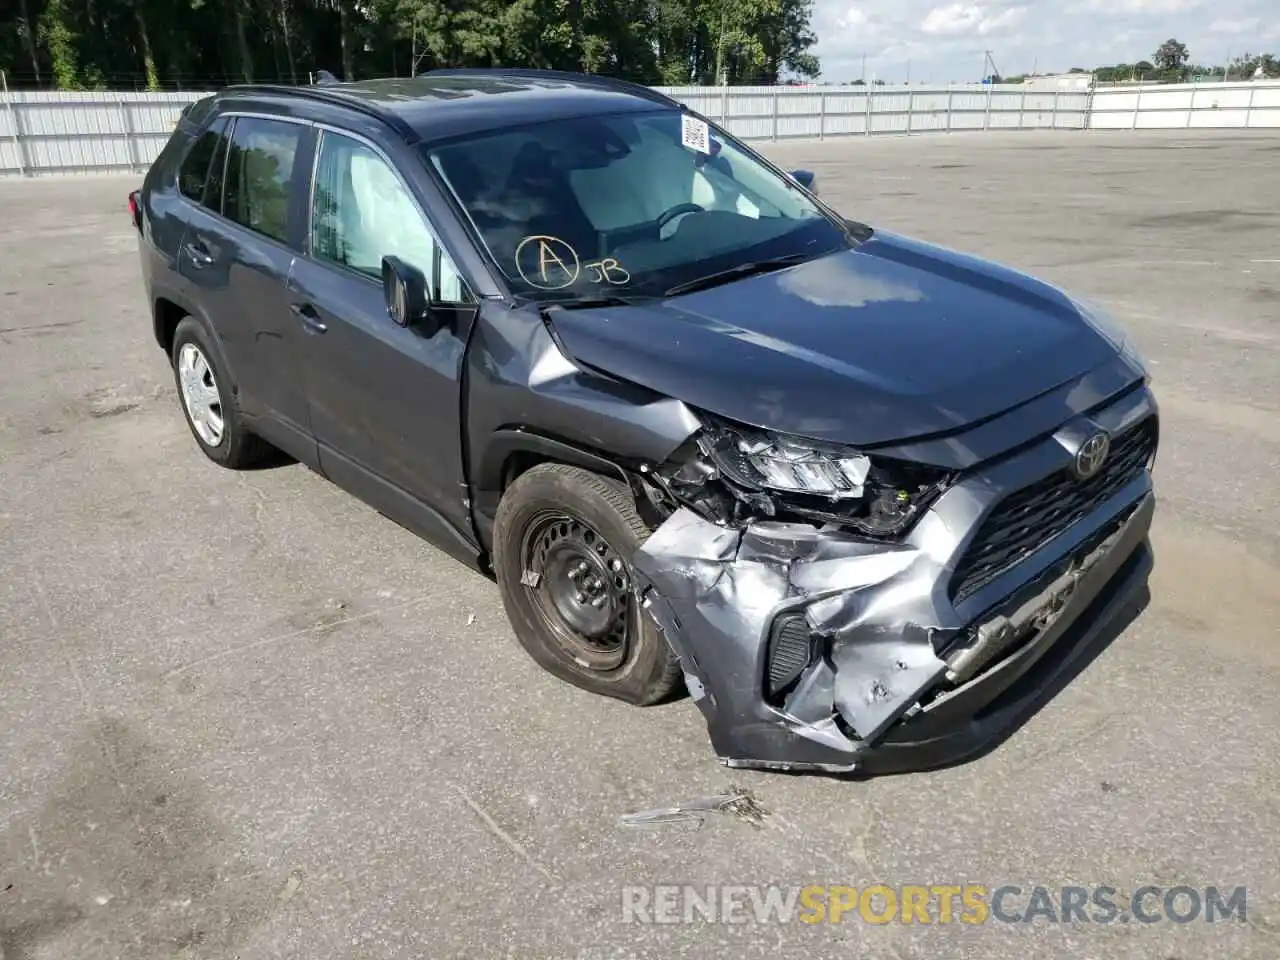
[[625, 206]]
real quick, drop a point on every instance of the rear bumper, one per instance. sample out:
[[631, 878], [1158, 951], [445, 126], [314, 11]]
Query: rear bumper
[[897, 674]]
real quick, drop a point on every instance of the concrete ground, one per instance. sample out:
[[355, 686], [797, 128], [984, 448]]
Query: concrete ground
[[245, 716]]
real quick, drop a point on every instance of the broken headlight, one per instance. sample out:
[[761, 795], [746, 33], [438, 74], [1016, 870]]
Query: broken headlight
[[781, 474], [777, 462]]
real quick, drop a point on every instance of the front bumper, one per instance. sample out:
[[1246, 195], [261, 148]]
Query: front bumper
[[901, 674]]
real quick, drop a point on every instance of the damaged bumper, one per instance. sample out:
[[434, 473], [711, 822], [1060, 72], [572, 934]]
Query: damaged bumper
[[810, 648]]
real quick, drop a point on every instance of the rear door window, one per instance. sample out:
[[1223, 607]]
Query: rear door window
[[195, 113], [260, 173], [202, 163]]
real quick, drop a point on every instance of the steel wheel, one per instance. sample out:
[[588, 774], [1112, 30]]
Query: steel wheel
[[581, 590], [200, 394]]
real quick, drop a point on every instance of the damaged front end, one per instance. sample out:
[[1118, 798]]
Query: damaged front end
[[831, 608]]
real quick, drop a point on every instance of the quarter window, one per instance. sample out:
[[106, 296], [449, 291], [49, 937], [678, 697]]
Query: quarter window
[[203, 159], [361, 212], [259, 172]]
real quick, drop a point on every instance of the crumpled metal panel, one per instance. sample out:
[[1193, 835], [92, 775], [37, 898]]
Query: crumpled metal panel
[[715, 591]]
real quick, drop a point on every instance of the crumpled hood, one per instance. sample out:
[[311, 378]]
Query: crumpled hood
[[892, 340]]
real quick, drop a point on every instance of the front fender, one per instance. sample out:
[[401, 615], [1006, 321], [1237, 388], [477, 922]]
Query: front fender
[[524, 395]]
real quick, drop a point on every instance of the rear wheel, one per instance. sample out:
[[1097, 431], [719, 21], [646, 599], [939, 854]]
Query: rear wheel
[[563, 542], [204, 388]]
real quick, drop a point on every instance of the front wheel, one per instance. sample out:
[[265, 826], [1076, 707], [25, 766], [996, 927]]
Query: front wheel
[[563, 542]]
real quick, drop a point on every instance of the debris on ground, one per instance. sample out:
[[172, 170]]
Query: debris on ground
[[737, 802]]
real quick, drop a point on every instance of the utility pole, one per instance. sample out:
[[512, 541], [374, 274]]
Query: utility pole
[[414, 55], [864, 69], [720, 77]]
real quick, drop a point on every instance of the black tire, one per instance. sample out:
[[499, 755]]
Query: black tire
[[238, 447], [537, 508]]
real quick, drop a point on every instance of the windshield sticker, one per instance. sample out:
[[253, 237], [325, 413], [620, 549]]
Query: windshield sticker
[[549, 263], [694, 134]]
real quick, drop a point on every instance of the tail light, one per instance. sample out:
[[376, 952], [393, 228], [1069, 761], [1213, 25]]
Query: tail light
[[135, 210]]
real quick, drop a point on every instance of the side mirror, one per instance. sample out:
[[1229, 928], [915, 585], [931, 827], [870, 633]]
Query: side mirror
[[807, 179], [405, 289]]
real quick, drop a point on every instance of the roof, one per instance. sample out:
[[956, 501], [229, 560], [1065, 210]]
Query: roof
[[448, 103]]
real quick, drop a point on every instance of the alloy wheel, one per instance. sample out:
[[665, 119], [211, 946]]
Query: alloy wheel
[[200, 395]]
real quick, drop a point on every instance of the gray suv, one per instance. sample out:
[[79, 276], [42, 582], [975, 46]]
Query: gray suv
[[867, 499]]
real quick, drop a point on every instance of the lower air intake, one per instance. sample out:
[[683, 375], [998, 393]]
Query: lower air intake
[[790, 650]]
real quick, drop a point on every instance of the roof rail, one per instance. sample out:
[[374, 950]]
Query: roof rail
[[582, 79], [335, 95]]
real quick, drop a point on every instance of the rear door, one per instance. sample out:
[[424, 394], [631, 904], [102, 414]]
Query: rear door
[[236, 251], [385, 401]]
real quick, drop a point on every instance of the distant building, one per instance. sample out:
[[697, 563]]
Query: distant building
[[1059, 81]]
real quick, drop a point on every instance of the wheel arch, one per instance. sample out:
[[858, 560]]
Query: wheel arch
[[166, 315], [168, 311], [513, 451]]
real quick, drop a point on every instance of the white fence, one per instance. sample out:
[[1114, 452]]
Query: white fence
[[64, 132], [83, 131], [779, 113], [1187, 106]]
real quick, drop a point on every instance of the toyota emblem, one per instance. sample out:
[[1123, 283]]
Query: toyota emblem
[[1091, 455]]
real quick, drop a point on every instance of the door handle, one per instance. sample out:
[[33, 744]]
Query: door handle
[[199, 256], [311, 321]]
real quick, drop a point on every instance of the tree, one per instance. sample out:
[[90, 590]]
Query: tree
[[27, 30], [204, 44], [1247, 66], [1171, 56]]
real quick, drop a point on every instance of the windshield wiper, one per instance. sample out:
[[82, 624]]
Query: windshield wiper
[[737, 273]]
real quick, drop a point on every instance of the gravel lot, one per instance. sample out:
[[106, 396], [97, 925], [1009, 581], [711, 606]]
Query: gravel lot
[[245, 716]]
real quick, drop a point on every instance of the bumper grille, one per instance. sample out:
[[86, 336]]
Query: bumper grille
[[1027, 520], [790, 651]]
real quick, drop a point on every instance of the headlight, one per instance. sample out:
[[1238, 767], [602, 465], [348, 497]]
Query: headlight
[[819, 481], [774, 462]]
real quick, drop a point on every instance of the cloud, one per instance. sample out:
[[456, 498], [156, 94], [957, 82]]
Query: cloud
[[961, 18], [1247, 25], [853, 17], [943, 40], [1150, 7]]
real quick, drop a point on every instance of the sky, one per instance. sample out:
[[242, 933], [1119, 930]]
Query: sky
[[943, 41]]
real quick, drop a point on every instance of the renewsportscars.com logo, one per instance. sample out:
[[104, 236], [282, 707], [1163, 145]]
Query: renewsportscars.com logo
[[972, 904]]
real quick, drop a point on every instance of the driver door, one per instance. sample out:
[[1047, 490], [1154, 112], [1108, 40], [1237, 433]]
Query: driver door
[[384, 400]]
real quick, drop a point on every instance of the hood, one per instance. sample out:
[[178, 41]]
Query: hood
[[891, 340]]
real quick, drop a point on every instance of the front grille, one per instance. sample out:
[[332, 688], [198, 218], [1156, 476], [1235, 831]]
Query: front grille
[[1027, 520]]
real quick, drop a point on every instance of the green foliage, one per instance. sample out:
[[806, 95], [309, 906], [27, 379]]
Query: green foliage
[[1248, 66], [202, 44], [1171, 56], [1173, 65], [58, 37]]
